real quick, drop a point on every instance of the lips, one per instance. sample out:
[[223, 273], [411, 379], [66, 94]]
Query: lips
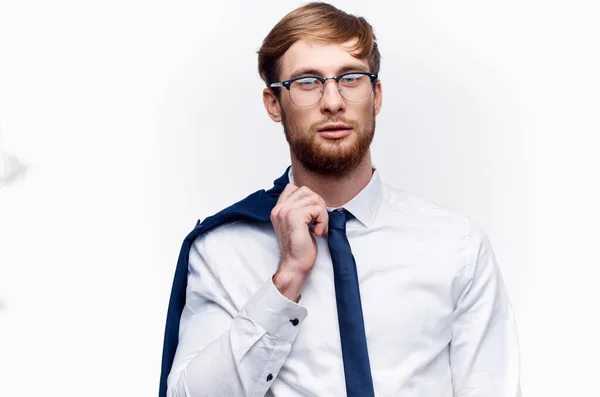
[[334, 130], [333, 127]]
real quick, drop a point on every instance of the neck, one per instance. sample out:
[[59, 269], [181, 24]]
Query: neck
[[336, 190]]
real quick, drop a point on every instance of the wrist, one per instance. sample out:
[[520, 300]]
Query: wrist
[[289, 284]]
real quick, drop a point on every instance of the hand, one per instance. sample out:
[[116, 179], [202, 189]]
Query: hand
[[292, 217]]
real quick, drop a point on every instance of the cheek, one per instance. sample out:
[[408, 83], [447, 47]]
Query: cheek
[[365, 113], [303, 119]]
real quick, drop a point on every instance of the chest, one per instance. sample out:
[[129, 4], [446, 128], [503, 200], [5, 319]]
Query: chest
[[408, 288], [408, 285]]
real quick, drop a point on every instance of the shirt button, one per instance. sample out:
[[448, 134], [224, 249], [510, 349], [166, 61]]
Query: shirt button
[[269, 377], [294, 321]]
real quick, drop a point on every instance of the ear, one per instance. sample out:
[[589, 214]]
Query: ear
[[272, 105], [377, 97]]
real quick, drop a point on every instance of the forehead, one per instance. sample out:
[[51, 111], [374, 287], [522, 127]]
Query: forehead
[[324, 57]]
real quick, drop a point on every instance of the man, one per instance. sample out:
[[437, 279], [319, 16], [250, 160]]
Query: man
[[334, 283]]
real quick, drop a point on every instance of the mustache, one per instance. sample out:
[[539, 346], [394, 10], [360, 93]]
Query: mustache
[[337, 120]]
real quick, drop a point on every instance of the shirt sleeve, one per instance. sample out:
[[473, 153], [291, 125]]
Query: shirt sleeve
[[223, 351], [484, 350]]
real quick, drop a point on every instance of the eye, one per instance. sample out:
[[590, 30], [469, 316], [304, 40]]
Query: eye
[[307, 83], [351, 79]]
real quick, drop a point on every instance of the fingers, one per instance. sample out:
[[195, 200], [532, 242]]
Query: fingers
[[322, 222], [320, 216], [302, 192], [289, 189], [293, 194], [294, 197]]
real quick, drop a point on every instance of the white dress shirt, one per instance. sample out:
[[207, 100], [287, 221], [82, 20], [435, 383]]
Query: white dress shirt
[[438, 320]]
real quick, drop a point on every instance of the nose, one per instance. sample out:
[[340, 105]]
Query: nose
[[332, 101]]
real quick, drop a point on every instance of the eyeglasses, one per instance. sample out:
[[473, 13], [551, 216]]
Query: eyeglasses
[[308, 90]]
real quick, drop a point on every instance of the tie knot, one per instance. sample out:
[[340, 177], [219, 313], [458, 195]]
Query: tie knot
[[338, 218]]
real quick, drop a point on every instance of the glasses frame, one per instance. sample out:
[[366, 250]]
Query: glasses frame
[[288, 84]]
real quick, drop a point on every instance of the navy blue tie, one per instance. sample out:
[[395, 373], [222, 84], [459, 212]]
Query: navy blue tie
[[357, 369]]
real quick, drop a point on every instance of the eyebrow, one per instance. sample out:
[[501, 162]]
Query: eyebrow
[[343, 69]]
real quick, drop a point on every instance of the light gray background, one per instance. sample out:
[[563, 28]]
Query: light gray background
[[137, 118]]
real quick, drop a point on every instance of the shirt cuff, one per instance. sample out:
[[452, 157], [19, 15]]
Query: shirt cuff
[[275, 313]]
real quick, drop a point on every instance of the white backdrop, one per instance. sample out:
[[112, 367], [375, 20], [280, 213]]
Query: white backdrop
[[135, 118]]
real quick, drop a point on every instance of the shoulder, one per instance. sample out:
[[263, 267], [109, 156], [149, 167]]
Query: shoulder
[[421, 210], [232, 234], [434, 221], [233, 241]]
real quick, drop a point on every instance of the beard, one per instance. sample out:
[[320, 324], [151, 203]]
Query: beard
[[329, 156]]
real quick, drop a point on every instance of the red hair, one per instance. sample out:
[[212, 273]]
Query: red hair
[[317, 22]]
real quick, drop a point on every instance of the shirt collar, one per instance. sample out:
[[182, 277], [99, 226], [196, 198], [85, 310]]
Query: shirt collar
[[365, 204]]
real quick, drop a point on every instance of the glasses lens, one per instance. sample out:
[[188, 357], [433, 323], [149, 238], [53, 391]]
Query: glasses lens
[[306, 92], [355, 87]]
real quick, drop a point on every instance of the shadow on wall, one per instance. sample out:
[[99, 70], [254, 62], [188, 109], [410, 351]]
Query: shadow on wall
[[11, 169]]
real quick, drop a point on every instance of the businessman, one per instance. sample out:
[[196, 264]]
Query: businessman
[[333, 282]]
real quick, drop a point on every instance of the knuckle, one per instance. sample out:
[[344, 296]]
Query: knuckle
[[283, 212], [289, 215], [291, 188]]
